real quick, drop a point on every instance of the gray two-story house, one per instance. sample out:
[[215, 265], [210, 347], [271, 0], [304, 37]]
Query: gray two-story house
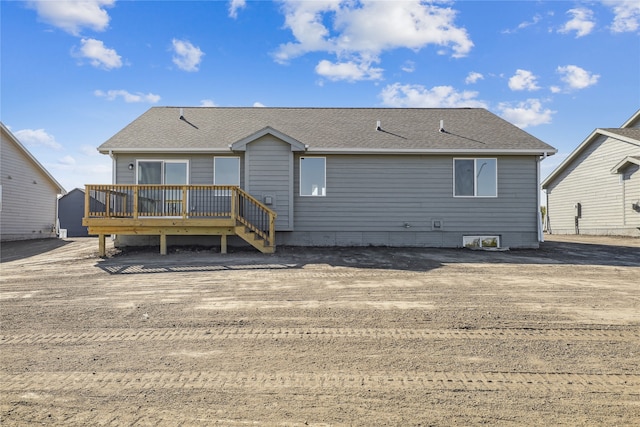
[[324, 177]]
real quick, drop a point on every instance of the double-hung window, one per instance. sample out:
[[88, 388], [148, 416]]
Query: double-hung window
[[313, 176], [475, 177]]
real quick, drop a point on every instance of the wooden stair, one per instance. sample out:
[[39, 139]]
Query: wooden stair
[[251, 237]]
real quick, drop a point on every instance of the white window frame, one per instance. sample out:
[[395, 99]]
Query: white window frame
[[225, 157], [324, 186], [163, 163], [475, 177]]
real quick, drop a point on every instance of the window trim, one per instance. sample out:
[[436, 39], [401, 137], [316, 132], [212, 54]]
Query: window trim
[[324, 193], [475, 178], [226, 157]]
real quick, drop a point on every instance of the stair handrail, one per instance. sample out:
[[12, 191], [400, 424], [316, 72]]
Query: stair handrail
[[268, 236]]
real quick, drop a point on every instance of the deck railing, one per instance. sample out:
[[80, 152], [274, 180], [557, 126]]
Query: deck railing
[[180, 201]]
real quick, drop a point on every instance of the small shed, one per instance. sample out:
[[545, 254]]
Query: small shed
[[70, 213]]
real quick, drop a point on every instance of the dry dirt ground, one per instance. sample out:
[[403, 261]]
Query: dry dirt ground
[[357, 336]]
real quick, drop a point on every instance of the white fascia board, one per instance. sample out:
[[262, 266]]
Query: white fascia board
[[631, 120], [441, 151], [575, 153], [627, 160], [620, 137], [218, 150], [570, 158], [35, 161]]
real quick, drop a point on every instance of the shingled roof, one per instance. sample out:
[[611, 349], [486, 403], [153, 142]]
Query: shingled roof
[[326, 130]]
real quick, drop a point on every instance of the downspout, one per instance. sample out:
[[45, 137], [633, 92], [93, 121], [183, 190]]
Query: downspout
[[538, 189], [113, 167]]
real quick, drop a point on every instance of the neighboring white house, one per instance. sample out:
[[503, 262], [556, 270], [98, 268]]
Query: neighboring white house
[[596, 190], [28, 193]]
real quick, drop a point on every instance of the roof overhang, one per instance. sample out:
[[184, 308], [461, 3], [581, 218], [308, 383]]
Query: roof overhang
[[241, 145], [35, 161], [360, 151], [627, 161], [575, 153]]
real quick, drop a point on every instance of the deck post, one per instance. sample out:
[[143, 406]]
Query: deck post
[[223, 243], [135, 202], [102, 248], [87, 199], [163, 244]]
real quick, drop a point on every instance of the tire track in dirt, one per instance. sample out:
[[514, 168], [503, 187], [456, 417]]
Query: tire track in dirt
[[257, 381], [317, 333]]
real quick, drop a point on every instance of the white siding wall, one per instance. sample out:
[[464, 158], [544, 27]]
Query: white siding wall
[[29, 198], [588, 180]]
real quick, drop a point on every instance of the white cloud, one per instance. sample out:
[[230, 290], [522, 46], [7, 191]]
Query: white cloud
[[473, 77], [234, 6], [409, 67], [186, 56], [37, 137], [67, 160], [350, 71], [73, 15], [527, 113], [89, 150], [408, 96], [258, 105], [576, 77], [207, 103], [128, 97], [627, 15], [523, 80], [99, 55], [524, 24], [582, 22], [361, 30]]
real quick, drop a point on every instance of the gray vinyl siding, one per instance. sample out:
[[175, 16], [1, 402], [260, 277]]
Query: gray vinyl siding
[[392, 200], [588, 180], [29, 198], [381, 200], [200, 166], [269, 172]]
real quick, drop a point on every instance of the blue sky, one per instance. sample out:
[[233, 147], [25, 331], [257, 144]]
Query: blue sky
[[73, 73]]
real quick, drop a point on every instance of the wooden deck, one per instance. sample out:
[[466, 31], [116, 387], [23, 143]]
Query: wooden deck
[[172, 210]]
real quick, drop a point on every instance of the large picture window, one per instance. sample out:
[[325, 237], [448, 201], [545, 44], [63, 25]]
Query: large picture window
[[475, 177], [226, 171], [313, 176]]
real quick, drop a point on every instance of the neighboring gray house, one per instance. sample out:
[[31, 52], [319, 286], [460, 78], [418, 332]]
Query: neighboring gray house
[[350, 176], [596, 190], [71, 212], [28, 193]]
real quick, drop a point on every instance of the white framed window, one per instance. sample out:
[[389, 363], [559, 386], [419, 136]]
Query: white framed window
[[475, 177], [167, 201], [165, 172], [226, 171], [313, 176]]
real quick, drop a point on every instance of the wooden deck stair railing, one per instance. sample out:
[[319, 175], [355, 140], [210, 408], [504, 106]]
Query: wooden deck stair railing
[[178, 210]]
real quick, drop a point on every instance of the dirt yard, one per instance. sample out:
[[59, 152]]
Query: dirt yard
[[321, 337]]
